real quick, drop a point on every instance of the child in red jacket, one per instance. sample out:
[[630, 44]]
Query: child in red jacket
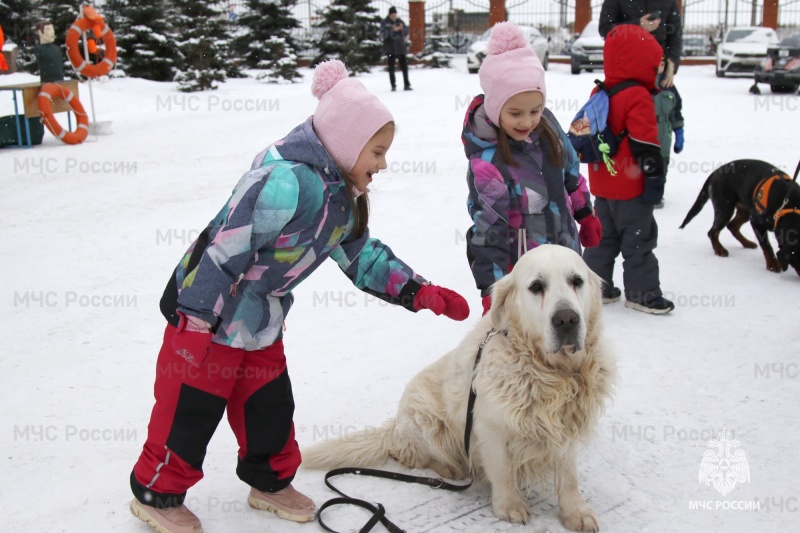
[[625, 201]]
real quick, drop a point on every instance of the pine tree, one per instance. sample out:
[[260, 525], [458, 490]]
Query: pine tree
[[437, 52], [266, 41], [19, 26], [146, 46], [203, 38], [351, 34]]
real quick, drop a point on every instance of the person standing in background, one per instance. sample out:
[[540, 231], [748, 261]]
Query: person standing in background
[[662, 18], [394, 32]]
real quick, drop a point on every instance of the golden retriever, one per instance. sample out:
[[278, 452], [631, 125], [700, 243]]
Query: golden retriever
[[541, 386]]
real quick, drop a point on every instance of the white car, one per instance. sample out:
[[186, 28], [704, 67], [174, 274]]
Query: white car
[[743, 48], [539, 43], [587, 50]]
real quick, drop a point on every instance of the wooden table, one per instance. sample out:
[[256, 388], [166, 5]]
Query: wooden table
[[30, 93]]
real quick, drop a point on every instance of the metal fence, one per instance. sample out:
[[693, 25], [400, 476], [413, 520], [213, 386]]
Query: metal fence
[[463, 21]]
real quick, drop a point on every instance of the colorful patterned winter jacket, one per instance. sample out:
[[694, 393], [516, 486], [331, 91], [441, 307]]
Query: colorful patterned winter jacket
[[285, 217], [515, 209]]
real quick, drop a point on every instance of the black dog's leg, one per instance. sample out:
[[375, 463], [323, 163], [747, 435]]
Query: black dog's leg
[[735, 225], [761, 231], [723, 211]]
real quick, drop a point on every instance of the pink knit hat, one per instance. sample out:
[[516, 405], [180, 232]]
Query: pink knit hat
[[347, 115], [511, 67]]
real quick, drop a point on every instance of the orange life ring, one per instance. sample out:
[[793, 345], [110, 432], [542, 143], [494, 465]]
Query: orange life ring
[[45, 102], [90, 20]]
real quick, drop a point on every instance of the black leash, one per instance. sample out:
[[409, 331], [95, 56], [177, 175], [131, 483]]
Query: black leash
[[378, 511]]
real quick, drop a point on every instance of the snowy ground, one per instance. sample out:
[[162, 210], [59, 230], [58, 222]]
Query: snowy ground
[[92, 232]]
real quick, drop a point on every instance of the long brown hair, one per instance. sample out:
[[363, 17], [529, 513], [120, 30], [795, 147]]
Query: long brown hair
[[360, 204], [360, 209], [555, 149]]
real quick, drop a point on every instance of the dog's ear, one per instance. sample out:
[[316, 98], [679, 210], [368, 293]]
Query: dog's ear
[[502, 290], [596, 302]]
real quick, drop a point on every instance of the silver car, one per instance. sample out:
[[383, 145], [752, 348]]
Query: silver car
[[539, 43], [587, 50]]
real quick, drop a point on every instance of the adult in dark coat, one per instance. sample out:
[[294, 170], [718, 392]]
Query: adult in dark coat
[[394, 32], [666, 28]]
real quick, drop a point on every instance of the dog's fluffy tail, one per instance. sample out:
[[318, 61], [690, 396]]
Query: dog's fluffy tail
[[702, 198], [368, 447]]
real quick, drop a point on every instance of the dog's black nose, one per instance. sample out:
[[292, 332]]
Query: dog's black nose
[[564, 320]]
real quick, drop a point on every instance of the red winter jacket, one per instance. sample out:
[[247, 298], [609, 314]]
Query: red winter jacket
[[630, 53]]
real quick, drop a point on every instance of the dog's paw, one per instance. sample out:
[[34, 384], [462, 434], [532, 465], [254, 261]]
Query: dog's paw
[[515, 511], [774, 266], [582, 519], [721, 252]]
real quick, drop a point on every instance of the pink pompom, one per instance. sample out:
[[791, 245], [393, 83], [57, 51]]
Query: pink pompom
[[506, 36], [326, 75]]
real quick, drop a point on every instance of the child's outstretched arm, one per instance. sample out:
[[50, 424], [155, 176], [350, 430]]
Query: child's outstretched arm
[[488, 243], [373, 268]]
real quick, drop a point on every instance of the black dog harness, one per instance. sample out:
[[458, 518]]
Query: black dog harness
[[378, 511]]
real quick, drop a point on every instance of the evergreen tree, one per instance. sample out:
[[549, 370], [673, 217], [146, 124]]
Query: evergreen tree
[[203, 38], [438, 52], [19, 26], [266, 41], [351, 34], [146, 46]]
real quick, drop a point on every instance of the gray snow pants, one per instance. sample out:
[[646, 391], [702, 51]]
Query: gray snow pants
[[628, 227]]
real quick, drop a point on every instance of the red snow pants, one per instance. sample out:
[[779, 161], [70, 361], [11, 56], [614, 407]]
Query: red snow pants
[[255, 389]]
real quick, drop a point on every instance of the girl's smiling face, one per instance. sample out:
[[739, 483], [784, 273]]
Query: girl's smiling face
[[372, 158], [521, 114]]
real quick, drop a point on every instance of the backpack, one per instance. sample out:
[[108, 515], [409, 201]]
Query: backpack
[[589, 132]]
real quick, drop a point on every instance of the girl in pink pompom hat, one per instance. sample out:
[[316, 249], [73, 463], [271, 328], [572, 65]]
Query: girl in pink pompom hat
[[525, 188], [302, 201]]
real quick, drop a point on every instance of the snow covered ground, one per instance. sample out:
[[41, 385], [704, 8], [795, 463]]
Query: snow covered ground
[[92, 232]]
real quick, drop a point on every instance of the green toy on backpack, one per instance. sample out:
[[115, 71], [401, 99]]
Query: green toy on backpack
[[589, 132]]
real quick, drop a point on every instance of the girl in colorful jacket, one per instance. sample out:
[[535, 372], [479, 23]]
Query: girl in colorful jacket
[[525, 188], [303, 200]]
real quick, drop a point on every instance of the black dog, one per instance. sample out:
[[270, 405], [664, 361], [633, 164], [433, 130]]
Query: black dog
[[764, 195]]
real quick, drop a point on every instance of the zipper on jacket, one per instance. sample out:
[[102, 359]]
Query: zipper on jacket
[[235, 285]]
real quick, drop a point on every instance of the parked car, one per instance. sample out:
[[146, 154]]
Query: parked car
[[696, 44], [781, 69], [477, 51], [587, 50], [743, 48]]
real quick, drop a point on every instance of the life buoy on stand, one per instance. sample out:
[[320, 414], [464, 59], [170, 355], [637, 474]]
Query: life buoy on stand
[[90, 20], [45, 103]]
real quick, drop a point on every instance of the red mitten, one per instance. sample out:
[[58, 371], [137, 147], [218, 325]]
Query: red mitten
[[441, 300], [591, 231], [192, 340], [487, 304]]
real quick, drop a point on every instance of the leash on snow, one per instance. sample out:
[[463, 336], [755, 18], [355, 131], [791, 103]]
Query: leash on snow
[[378, 510]]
